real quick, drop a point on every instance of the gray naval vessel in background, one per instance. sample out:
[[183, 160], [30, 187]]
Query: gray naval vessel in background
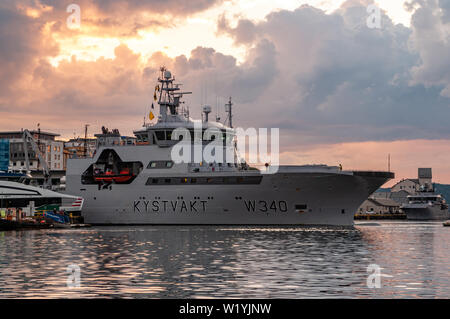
[[425, 204], [139, 183]]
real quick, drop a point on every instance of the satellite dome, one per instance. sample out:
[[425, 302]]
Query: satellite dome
[[207, 109]]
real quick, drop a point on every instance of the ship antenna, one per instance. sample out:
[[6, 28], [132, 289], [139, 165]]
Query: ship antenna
[[389, 162], [85, 147], [217, 109], [145, 113], [228, 109]]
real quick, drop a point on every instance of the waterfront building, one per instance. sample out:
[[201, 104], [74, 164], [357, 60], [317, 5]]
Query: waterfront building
[[80, 147], [379, 205], [50, 148], [4, 155]]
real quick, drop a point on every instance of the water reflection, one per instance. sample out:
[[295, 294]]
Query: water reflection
[[416, 256], [247, 262]]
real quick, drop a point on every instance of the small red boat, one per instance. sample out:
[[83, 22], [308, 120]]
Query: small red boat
[[109, 177]]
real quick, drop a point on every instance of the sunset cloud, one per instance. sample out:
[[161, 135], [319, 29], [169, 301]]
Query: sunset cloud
[[114, 18], [323, 78], [431, 30], [342, 81]]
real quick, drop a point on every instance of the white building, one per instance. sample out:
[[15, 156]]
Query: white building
[[379, 205], [414, 185], [409, 185]]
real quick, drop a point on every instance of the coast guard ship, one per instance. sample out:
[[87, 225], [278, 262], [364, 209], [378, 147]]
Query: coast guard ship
[[140, 182]]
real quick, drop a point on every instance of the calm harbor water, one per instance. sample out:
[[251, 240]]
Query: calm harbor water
[[218, 261]]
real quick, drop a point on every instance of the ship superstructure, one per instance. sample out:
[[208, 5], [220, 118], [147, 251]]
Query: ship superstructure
[[146, 183], [426, 204]]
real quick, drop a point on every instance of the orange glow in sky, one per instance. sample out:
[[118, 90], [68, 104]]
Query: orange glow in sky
[[101, 73]]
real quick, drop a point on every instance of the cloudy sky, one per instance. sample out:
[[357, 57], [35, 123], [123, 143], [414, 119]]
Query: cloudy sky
[[339, 90]]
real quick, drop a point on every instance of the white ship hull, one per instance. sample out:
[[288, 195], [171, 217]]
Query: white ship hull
[[294, 196]]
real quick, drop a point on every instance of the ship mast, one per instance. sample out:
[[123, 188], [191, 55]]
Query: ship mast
[[169, 98], [228, 109]]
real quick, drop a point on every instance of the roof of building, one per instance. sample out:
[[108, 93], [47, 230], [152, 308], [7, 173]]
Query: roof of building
[[414, 180], [32, 132]]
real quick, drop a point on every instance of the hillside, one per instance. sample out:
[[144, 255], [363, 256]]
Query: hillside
[[444, 190]]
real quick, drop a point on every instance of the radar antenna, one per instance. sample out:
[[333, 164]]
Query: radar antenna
[[169, 97]]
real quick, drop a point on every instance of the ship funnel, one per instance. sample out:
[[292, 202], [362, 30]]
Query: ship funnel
[[206, 110]]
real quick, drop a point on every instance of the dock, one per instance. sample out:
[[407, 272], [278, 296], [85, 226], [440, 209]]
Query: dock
[[397, 216], [45, 218]]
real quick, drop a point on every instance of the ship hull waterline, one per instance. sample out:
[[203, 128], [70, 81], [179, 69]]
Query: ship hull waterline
[[426, 213]]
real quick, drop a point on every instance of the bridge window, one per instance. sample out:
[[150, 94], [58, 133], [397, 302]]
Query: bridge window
[[160, 135], [160, 164]]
